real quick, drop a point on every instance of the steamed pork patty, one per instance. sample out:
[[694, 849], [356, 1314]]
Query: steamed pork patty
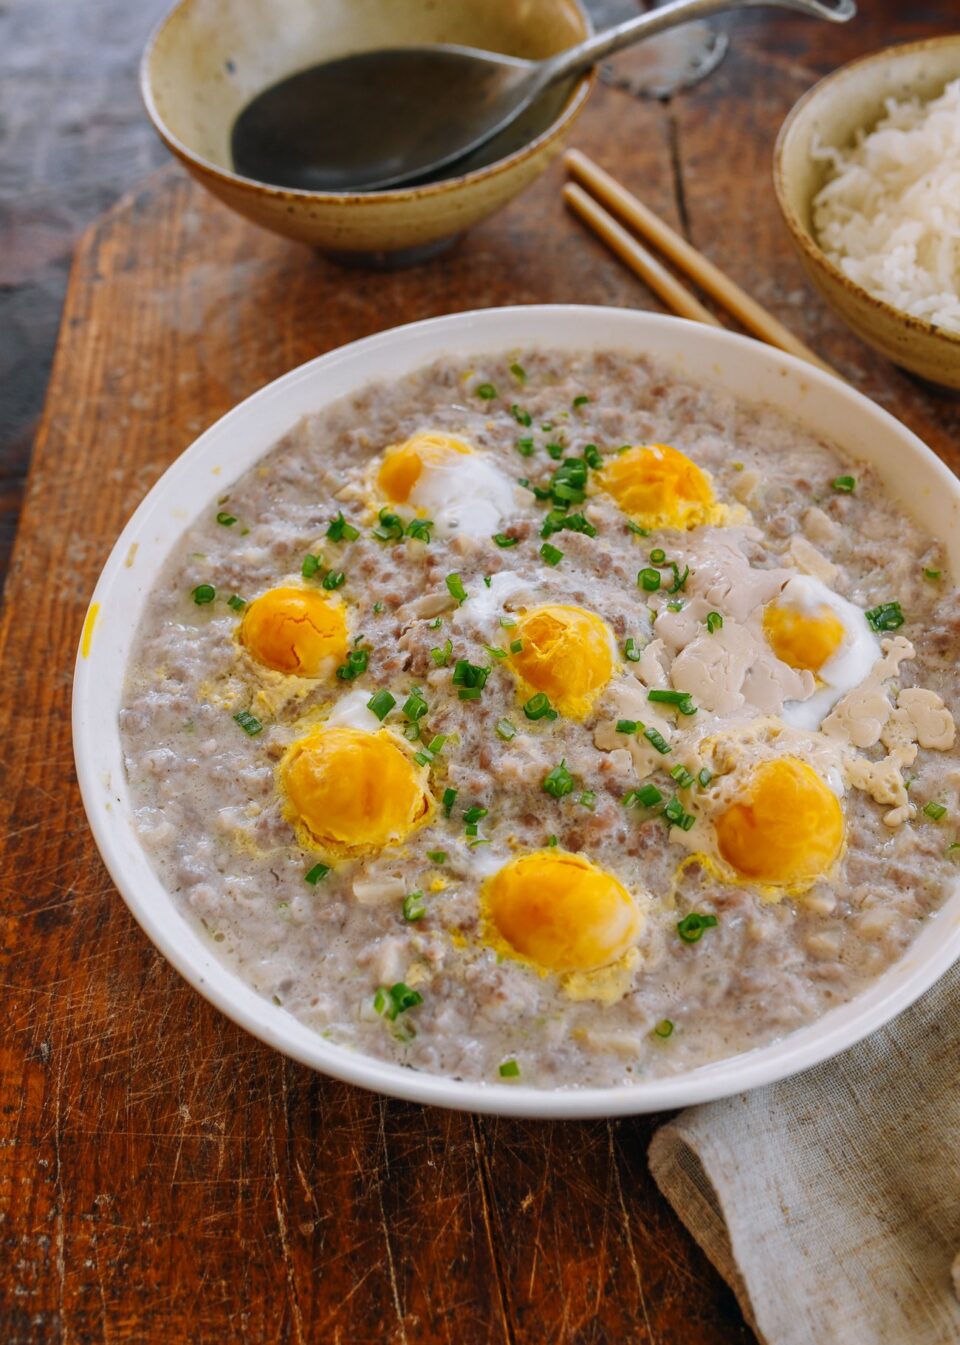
[[546, 718]]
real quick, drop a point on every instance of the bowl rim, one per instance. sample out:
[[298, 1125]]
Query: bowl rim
[[568, 114], [803, 236], [96, 748]]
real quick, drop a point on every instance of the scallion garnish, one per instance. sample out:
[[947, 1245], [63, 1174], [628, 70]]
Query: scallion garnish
[[682, 776], [519, 373], [592, 456], [681, 699], [342, 531], [414, 707], [334, 579], [448, 800], [521, 417], [495, 651], [413, 907], [658, 556], [555, 451], [470, 676], [237, 603], [435, 624], [525, 447], [632, 650], [475, 813], [508, 621], [249, 723], [377, 608], [648, 796], [381, 703], [933, 575], [935, 811], [310, 565], [588, 799], [486, 392], [551, 840], [391, 527], [886, 616], [656, 739], [509, 1069], [203, 594], [419, 529], [539, 707], [314, 875], [627, 726], [679, 580], [356, 664], [663, 1029], [846, 485], [649, 579], [391, 1002], [505, 730], [714, 622], [559, 781], [437, 856], [691, 927], [580, 401], [441, 657], [455, 588], [635, 528], [226, 520], [551, 554], [503, 540], [557, 522], [704, 777], [516, 646], [675, 813]]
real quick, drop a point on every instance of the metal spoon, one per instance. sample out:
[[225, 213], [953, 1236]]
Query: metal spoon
[[381, 118]]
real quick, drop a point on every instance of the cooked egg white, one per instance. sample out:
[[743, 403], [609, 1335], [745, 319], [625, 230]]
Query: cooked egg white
[[811, 628], [445, 479], [560, 912], [349, 791], [565, 652]]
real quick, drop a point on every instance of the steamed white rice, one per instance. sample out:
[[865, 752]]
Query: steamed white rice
[[889, 216]]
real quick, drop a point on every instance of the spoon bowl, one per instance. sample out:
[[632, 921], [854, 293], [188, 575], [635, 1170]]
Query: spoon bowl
[[209, 58]]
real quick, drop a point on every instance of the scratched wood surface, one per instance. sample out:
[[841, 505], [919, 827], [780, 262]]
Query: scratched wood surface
[[163, 1177]]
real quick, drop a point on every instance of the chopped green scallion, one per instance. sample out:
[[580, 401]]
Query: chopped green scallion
[[413, 907], [632, 650], [356, 664], [539, 707], [509, 1069], [237, 603], [505, 730], [448, 800], [381, 703], [342, 531], [249, 723], [334, 579], [663, 1029], [441, 657], [656, 739], [846, 485], [649, 579], [551, 554], [714, 622], [627, 726], [226, 520], [486, 392], [886, 616], [310, 565], [314, 875], [691, 927], [437, 856], [588, 799], [203, 594], [559, 781], [455, 588], [503, 540], [935, 811]]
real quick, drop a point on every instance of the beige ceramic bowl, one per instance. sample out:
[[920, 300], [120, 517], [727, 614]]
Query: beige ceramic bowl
[[833, 111], [208, 58]]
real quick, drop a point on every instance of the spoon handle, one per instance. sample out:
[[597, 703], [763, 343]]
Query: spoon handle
[[576, 59]]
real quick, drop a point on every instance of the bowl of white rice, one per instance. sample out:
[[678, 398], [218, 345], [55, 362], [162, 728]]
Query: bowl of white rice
[[867, 174]]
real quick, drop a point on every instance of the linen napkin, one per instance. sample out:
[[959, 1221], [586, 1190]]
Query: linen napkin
[[830, 1203]]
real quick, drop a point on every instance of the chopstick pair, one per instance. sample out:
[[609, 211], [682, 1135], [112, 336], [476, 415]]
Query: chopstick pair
[[608, 191]]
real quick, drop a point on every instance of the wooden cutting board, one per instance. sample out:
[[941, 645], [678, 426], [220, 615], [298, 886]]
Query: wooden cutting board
[[164, 1177]]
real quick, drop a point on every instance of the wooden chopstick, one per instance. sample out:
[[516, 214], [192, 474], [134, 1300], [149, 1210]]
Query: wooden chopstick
[[644, 263], [686, 258]]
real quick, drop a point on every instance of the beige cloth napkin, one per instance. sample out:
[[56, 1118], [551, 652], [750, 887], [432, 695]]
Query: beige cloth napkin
[[831, 1202]]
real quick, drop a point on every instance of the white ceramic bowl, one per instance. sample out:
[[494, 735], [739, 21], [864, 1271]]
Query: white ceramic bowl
[[830, 408]]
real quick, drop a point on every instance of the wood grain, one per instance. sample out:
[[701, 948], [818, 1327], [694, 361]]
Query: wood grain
[[163, 1177]]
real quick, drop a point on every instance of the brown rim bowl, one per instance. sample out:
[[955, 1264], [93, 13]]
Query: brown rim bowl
[[208, 58], [832, 112]]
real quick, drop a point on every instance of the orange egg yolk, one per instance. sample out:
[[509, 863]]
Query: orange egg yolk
[[350, 791], [294, 630], [786, 829], [804, 640], [561, 911], [402, 464], [565, 652], [659, 487]]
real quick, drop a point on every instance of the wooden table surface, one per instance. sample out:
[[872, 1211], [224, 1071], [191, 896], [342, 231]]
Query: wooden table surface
[[164, 1177]]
